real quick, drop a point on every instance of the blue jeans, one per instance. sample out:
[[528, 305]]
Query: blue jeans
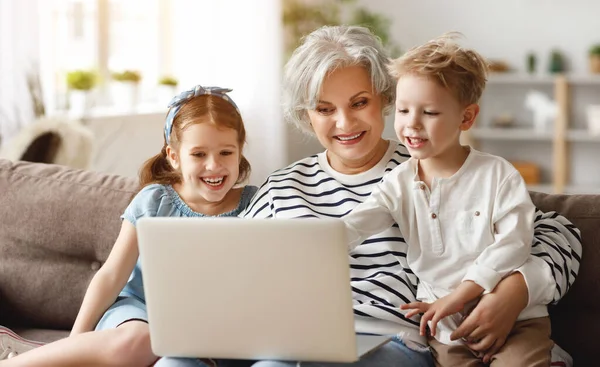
[[394, 353]]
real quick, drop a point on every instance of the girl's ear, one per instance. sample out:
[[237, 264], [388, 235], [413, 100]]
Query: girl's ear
[[469, 116], [172, 157]]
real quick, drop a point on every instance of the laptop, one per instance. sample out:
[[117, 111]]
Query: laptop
[[253, 289]]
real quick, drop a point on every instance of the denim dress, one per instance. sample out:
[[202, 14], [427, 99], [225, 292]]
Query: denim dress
[[153, 201]]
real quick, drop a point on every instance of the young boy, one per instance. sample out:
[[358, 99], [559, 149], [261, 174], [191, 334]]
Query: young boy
[[466, 215]]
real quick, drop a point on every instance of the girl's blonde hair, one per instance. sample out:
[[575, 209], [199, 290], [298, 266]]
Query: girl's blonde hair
[[198, 110], [462, 71]]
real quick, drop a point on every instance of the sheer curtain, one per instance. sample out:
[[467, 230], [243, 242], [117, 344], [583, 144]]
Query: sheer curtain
[[239, 45], [19, 56]]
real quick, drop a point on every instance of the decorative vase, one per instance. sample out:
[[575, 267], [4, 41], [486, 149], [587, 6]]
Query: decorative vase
[[125, 95], [165, 94], [531, 63], [557, 62], [593, 119], [595, 64], [80, 103]]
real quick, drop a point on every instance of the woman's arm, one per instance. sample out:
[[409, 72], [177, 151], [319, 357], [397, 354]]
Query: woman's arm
[[544, 278], [488, 325], [558, 243], [109, 280]]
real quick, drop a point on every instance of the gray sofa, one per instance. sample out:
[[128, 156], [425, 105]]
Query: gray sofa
[[57, 226]]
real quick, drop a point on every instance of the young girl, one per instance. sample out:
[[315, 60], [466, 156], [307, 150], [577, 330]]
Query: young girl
[[198, 173]]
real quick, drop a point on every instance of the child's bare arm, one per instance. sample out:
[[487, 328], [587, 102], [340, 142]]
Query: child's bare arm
[[109, 280]]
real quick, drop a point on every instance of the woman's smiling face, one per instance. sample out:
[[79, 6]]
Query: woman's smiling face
[[348, 119]]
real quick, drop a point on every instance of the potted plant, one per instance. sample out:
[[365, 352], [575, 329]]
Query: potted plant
[[126, 88], [595, 58], [80, 84], [167, 89], [302, 17]]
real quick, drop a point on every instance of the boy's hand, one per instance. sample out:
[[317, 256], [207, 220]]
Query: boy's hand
[[455, 302], [435, 311]]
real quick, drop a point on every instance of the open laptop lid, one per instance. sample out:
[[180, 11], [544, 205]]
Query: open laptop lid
[[248, 289]]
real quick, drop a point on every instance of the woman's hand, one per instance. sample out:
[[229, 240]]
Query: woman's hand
[[486, 328]]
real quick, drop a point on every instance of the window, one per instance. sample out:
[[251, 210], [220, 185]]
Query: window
[[106, 36]]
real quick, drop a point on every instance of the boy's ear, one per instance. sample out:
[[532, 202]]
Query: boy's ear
[[469, 116], [172, 157]]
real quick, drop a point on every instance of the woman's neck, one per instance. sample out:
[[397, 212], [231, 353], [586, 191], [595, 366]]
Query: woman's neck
[[353, 167]]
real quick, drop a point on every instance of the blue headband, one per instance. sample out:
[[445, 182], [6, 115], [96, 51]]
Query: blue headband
[[183, 97]]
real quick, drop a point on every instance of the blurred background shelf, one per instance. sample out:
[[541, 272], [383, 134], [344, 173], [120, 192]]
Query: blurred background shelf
[[582, 135], [527, 134], [547, 80], [492, 133], [564, 157]]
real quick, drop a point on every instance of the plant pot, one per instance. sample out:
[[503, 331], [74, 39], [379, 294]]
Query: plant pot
[[80, 103], [593, 119], [595, 64], [165, 94], [125, 95]]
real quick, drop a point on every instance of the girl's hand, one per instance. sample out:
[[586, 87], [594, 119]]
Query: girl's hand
[[435, 311], [486, 328]]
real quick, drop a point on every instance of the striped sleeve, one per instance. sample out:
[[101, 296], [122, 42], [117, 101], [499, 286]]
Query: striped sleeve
[[558, 242], [261, 205]]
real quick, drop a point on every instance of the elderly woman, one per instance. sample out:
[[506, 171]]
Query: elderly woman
[[337, 87]]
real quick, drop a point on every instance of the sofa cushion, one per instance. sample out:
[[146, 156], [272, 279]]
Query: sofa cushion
[[576, 318], [41, 335], [57, 226]]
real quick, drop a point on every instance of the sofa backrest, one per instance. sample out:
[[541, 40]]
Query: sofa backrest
[[57, 226], [576, 318]]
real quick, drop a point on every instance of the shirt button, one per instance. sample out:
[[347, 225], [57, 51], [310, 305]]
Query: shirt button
[[433, 215], [96, 266], [477, 214], [422, 187]]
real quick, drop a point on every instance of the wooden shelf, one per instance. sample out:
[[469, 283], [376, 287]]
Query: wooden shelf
[[519, 78], [584, 79], [582, 135], [510, 133], [526, 134], [561, 138], [544, 80]]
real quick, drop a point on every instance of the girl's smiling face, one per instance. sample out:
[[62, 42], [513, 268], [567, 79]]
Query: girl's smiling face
[[208, 160]]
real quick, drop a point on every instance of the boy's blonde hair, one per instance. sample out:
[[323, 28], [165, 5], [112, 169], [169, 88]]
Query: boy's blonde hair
[[462, 71]]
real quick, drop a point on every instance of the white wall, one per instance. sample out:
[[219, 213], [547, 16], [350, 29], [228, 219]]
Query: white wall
[[237, 44], [506, 29], [18, 55]]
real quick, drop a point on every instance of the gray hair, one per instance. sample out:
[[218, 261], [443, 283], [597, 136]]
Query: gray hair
[[323, 51]]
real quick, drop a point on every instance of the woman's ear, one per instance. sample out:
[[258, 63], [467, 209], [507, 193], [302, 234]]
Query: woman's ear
[[172, 157], [469, 116]]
